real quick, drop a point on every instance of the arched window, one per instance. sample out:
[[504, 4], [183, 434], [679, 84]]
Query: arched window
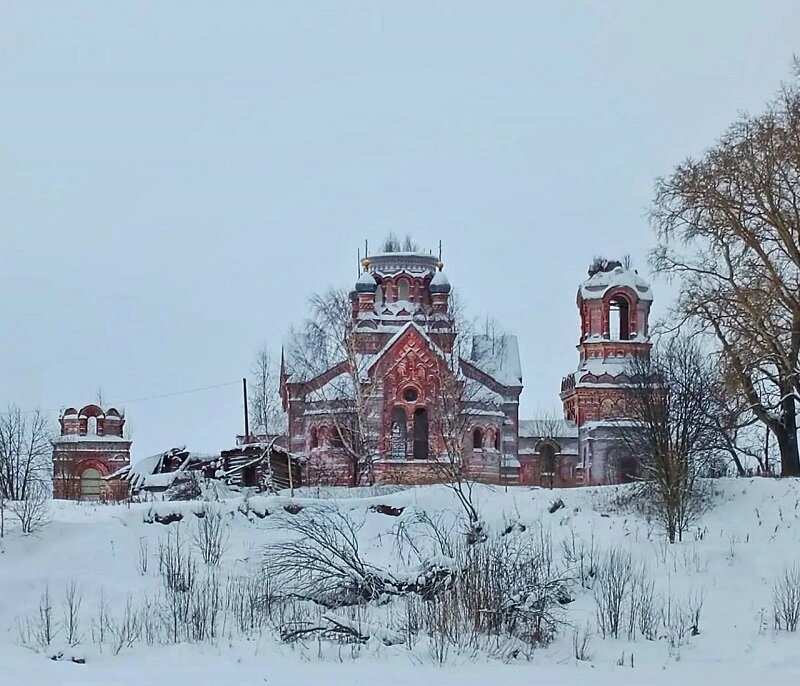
[[91, 426], [90, 484], [547, 460], [477, 438], [399, 430], [313, 441], [619, 319], [402, 289], [420, 434], [379, 297], [497, 439], [337, 438]]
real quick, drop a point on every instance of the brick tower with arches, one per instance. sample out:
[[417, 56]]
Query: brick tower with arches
[[614, 305], [91, 446]]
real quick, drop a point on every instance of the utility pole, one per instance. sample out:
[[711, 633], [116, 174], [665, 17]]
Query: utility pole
[[246, 413]]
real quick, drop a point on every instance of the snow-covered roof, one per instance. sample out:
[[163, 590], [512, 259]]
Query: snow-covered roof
[[497, 356], [547, 428], [88, 438], [597, 285], [301, 361], [338, 388], [146, 473]]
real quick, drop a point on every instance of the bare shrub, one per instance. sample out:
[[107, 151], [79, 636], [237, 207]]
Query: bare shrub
[[210, 538], [71, 607], [786, 599], [38, 631], [581, 640], [144, 557], [176, 566], [320, 560], [33, 511], [611, 590], [125, 629]]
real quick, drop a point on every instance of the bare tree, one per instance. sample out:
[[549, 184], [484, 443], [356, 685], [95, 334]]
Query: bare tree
[[324, 353], [728, 228], [462, 397], [266, 414], [33, 511], [25, 451], [667, 429]]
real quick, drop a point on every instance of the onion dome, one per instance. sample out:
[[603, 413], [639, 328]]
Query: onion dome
[[439, 282], [366, 282]]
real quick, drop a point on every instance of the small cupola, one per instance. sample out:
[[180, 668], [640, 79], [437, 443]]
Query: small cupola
[[439, 282]]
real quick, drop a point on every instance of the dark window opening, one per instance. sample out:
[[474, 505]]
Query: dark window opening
[[398, 446], [497, 440], [477, 439], [421, 434], [250, 476], [619, 323], [410, 395], [336, 440], [547, 458], [314, 440], [628, 468]]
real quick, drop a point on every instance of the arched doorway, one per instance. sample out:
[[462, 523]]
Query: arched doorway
[[90, 484]]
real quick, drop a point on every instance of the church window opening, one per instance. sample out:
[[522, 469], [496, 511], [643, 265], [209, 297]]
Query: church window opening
[[313, 441], [90, 484], [497, 440], [421, 434], [91, 426], [619, 324], [477, 439], [336, 438], [548, 459], [398, 434], [410, 395], [402, 289]]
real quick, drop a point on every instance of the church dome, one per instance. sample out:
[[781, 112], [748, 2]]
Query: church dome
[[440, 283], [366, 283]]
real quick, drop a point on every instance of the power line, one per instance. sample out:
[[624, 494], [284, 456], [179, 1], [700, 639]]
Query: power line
[[158, 396]]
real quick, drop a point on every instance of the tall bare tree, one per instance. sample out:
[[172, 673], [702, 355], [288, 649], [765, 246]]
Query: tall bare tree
[[265, 412], [729, 228], [324, 352], [668, 429], [25, 453]]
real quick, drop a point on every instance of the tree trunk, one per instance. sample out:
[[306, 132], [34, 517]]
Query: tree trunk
[[787, 438]]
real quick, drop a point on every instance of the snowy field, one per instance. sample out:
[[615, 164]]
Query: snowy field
[[726, 567]]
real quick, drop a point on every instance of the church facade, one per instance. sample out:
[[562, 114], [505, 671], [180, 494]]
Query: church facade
[[411, 395], [91, 445]]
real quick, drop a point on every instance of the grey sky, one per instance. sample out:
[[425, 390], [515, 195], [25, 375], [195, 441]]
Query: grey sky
[[176, 178]]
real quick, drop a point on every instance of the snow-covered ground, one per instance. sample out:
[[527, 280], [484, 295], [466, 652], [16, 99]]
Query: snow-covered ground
[[730, 559]]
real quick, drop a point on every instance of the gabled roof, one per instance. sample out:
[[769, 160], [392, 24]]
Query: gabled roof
[[498, 358], [547, 428]]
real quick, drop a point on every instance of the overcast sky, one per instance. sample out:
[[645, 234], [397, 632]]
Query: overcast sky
[[176, 178]]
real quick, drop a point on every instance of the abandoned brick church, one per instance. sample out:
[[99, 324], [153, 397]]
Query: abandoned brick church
[[407, 395], [415, 395]]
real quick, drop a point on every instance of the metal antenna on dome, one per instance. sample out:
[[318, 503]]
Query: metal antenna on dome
[[358, 261], [440, 250]]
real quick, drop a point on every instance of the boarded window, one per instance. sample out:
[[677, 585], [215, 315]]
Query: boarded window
[[90, 484], [399, 433]]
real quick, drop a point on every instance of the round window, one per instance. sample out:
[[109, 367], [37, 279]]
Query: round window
[[410, 395]]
